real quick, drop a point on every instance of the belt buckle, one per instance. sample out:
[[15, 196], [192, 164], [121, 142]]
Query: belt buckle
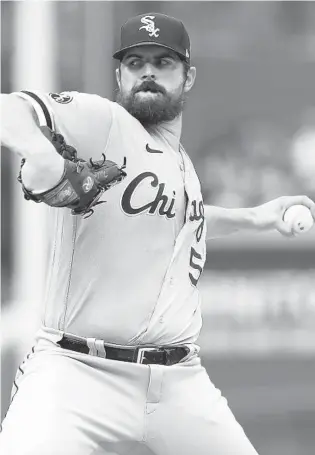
[[141, 353]]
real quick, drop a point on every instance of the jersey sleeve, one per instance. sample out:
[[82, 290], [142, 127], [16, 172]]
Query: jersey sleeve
[[85, 120]]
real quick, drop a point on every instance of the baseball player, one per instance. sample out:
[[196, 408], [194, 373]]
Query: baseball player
[[116, 367]]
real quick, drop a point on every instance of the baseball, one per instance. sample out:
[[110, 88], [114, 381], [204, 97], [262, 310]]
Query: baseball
[[299, 218]]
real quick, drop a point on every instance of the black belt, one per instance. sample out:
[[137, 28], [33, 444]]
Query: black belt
[[161, 355]]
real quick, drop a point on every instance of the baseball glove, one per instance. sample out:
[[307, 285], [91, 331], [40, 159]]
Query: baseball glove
[[83, 182]]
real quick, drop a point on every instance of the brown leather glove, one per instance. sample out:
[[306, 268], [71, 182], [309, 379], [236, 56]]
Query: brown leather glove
[[82, 183]]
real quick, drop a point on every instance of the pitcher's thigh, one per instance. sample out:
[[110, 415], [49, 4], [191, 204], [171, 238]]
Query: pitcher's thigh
[[44, 416], [34, 426], [176, 430]]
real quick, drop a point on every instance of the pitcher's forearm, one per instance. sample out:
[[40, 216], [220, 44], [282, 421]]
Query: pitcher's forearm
[[222, 221]]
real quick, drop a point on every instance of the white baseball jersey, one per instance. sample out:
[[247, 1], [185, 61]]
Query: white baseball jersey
[[128, 274]]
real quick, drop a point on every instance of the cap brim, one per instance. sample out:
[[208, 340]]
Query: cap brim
[[119, 54]]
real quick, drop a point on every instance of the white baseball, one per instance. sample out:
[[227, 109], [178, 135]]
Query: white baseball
[[299, 219]]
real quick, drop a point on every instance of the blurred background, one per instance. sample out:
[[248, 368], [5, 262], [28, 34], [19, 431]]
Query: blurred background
[[249, 128]]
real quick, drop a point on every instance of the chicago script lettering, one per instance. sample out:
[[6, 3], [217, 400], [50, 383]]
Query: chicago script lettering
[[196, 260], [196, 216], [161, 199]]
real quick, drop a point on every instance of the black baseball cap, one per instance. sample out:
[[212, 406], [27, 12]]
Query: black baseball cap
[[155, 28]]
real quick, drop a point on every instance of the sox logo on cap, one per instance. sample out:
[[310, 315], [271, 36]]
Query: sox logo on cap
[[149, 26]]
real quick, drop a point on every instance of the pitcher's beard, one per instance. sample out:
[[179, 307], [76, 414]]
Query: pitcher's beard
[[152, 110]]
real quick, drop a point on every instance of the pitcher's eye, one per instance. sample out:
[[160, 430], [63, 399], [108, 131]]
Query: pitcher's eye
[[134, 63], [164, 61]]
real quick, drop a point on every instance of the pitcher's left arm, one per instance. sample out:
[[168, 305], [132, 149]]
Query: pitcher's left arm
[[269, 216]]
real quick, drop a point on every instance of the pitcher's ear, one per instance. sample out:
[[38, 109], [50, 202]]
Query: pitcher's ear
[[190, 79], [118, 74]]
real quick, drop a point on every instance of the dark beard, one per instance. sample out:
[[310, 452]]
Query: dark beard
[[151, 111]]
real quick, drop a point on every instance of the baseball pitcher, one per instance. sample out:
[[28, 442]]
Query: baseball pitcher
[[115, 368]]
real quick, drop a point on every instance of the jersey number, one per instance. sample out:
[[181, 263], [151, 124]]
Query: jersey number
[[194, 257]]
